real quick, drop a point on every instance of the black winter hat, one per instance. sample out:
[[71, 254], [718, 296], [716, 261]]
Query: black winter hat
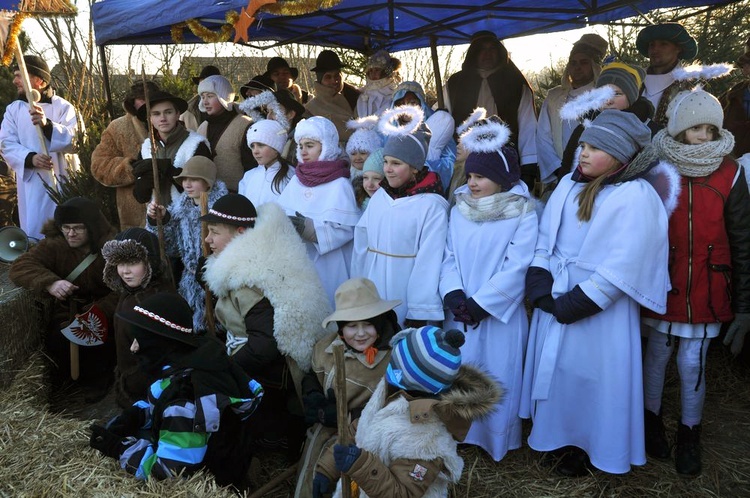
[[260, 82], [287, 100], [86, 211], [279, 62], [165, 314], [232, 209], [136, 92], [327, 60], [205, 73], [36, 66], [131, 246]]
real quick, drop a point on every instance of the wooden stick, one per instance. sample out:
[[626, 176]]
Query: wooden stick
[[275, 482], [75, 370], [32, 97], [155, 173], [436, 71], [210, 321], [342, 412]]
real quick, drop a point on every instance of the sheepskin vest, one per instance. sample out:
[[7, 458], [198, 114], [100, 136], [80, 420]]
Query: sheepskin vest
[[178, 151], [272, 258], [227, 157]]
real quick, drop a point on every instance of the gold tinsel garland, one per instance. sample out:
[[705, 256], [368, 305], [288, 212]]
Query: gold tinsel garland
[[202, 32], [12, 40], [298, 7]]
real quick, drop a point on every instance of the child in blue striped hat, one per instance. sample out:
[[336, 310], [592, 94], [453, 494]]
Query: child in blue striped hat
[[407, 436]]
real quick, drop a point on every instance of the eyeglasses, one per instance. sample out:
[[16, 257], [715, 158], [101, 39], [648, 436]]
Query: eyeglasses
[[66, 229]]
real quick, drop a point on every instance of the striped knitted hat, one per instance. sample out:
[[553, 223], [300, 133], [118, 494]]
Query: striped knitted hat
[[426, 359]]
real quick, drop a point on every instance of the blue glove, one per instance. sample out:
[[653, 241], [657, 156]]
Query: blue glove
[[321, 485], [574, 305], [345, 456]]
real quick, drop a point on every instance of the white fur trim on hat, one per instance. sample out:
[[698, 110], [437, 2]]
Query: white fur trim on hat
[[220, 86], [389, 125], [487, 135], [365, 137], [593, 99], [268, 132], [699, 71], [476, 115], [251, 106], [321, 130], [441, 125]]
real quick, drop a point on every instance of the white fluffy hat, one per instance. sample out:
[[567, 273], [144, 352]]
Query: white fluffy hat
[[221, 87], [365, 137], [321, 130], [268, 132]]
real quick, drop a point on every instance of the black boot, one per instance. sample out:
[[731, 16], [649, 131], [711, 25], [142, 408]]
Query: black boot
[[657, 445], [687, 450]]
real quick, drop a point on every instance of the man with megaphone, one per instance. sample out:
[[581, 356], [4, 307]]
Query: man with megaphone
[[67, 265]]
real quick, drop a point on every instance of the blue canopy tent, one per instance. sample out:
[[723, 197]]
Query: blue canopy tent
[[367, 24]]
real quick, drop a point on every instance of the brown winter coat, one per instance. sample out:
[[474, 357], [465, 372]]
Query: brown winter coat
[[735, 118], [110, 165]]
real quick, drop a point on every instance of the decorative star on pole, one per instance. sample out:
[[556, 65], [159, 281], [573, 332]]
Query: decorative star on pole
[[247, 18]]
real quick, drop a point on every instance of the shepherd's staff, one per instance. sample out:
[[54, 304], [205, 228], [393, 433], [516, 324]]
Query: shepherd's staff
[[342, 412], [155, 173], [210, 323], [32, 97]]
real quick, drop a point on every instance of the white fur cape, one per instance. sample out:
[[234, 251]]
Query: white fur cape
[[273, 258]]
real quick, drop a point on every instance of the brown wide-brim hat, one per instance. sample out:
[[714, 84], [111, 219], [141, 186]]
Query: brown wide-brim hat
[[199, 167], [357, 300], [671, 32], [261, 82], [165, 314], [161, 96]]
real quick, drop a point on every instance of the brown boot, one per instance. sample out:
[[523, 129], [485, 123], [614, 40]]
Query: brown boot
[[657, 445], [687, 450]]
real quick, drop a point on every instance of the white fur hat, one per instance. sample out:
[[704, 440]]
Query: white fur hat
[[268, 132], [221, 87], [365, 137], [321, 130]]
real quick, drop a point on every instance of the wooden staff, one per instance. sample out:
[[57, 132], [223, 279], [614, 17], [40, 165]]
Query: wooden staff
[[210, 322], [32, 96], [342, 412], [155, 173], [75, 371]]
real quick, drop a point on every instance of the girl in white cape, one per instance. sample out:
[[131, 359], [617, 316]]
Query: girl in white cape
[[320, 201], [264, 183], [602, 253], [491, 238], [399, 242]]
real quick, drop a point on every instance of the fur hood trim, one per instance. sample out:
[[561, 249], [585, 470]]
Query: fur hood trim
[[473, 395], [184, 152], [593, 100], [123, 251], [273, 258], [665, 179]]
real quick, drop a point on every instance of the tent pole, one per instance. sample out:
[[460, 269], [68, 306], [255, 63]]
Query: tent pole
[[436, 70], [105, 77]]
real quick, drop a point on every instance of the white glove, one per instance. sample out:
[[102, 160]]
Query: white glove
[[736, 332]]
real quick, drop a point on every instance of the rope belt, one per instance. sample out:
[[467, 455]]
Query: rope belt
[[370, 249]]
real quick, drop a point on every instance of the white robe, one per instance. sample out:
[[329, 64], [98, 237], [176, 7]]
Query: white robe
[[583, 382], [399, 244], [333, 208], [18, 138], [257, 184], [655, 84], [488, 261]]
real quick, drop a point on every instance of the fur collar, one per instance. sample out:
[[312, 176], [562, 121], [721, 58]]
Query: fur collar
[[186, 151], [272, 258]]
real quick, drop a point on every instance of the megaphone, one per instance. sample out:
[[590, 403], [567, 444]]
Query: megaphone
[[13, 243]]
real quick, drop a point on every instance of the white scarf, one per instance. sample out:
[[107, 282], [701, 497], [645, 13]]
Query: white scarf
[[500, 206]]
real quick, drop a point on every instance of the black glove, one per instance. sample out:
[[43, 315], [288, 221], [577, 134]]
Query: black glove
[[144, 177], [530, 174], [476, 312], [546, 303], [328, 413], [141, 167], [312, 402], [538, 284], [107, 442], [299, 223], [127, 423], [574, 305], [321, 485], [200, 270], [345, 456], [456, 302]]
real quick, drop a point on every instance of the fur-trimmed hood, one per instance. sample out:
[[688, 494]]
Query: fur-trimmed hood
[[131, 246], [472, 396], [272, 258]]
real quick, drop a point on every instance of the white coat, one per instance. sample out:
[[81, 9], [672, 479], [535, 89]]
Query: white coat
[[583, 382], [488, 261], [399, 244], [257, 184], [18, 137]]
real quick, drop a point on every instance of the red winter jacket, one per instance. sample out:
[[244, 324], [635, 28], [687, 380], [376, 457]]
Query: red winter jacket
[[709, 253]]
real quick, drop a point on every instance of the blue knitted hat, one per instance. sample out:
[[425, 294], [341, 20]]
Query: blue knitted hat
[[426, 359]]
